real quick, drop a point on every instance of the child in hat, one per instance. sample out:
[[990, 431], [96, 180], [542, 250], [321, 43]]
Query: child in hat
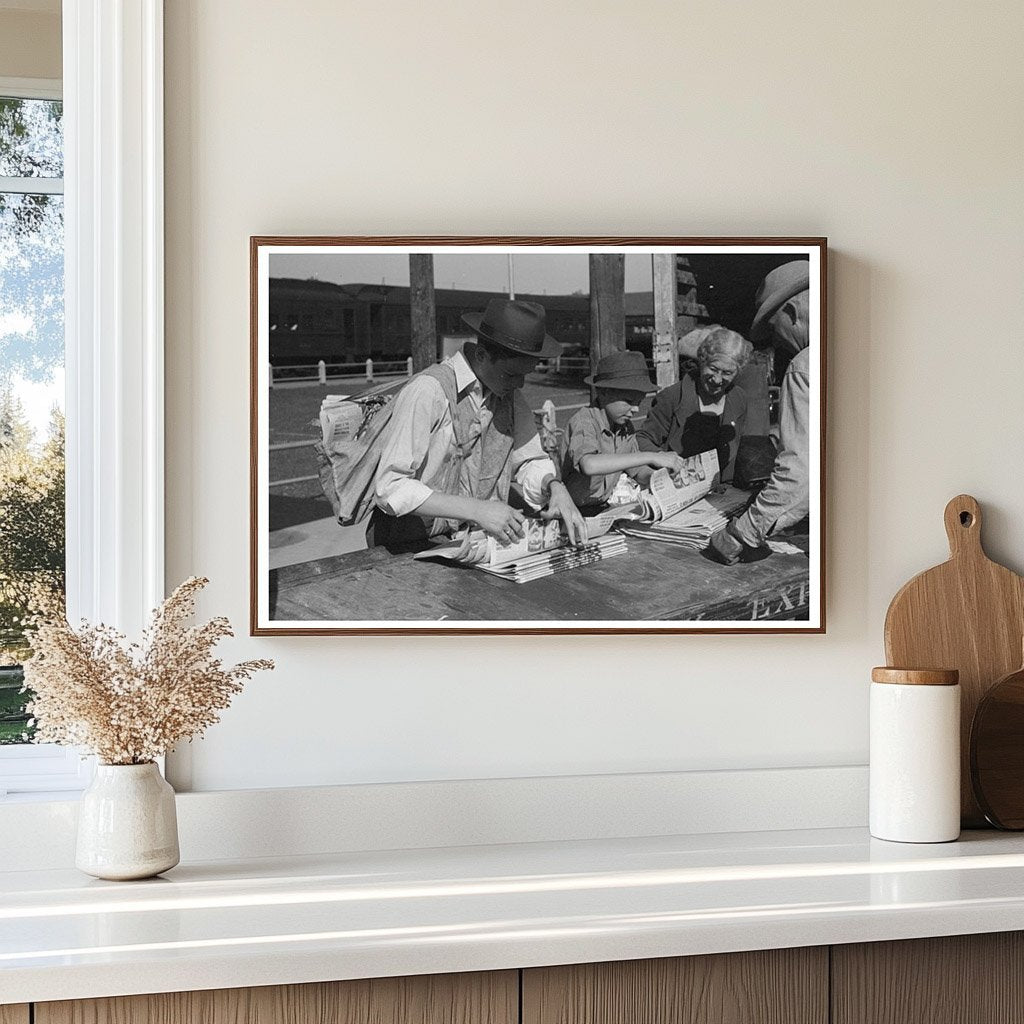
[[601, 456]]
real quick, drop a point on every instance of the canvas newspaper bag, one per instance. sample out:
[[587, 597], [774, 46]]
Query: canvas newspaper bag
[[348, 453]]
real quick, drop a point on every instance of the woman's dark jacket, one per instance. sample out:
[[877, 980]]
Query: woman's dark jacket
[[675, 423]]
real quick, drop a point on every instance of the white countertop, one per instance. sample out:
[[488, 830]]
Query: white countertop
[[225, 924]]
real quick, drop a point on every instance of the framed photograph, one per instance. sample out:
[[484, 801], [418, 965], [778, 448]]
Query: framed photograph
[[537, 435]]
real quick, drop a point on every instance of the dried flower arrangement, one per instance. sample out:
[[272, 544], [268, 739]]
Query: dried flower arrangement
[[129, 704]]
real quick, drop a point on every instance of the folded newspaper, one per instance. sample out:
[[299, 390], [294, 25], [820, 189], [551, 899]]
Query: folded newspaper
[[543, 550], [667, 495], [687, 514], [673, 511], [546, 563]]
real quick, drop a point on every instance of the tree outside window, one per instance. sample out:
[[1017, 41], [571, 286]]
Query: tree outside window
[[31, 386]]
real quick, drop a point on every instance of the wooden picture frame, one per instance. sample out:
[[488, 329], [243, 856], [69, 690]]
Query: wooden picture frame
[[325, 318]]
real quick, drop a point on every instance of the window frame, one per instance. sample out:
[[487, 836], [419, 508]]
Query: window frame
[[112, 90]]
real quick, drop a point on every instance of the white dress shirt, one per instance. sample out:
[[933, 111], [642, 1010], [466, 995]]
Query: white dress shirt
[[420, 437]]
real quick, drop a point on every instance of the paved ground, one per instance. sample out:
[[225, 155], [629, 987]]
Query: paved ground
[[301, 524]]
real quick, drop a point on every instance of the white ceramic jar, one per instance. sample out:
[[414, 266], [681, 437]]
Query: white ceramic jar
[[127, 823], [915, 755]]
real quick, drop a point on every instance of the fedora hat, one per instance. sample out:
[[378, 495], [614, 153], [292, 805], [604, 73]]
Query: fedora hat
[[778, 287], [626, 371], [515, 325]]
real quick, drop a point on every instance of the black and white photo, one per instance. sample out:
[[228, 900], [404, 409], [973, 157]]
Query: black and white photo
[[537, 435]]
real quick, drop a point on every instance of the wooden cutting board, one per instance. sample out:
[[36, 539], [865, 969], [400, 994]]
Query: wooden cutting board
[[967, 614]]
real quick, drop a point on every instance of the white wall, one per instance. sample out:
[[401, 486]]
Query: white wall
[[894, 129]]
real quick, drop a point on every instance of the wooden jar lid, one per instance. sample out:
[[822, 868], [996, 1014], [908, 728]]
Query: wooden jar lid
[[916, 676]]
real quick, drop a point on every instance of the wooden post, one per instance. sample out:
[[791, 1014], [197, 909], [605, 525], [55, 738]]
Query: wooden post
[[689, 312], [665, 352], [607, 305], [421, 309]]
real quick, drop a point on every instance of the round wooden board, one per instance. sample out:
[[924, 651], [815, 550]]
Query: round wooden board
[[997, 752]]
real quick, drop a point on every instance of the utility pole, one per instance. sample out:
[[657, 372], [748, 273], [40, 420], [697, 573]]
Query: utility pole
[[511, 278], [664, 349], [607, 305], [421, 310]]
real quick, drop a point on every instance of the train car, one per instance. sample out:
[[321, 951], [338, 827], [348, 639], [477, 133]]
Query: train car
[[347, 323], [312, 320]]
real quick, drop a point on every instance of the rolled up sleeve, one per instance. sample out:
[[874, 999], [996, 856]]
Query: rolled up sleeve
[[532, 478], [582, 439], [419, 409]]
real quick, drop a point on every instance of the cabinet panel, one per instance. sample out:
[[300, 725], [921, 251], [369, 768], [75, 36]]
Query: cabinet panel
[[481, 998], [14, 1014], [778, 986], [961, 979]]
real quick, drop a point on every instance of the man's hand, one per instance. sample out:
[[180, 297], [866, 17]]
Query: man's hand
[[561, 506], [724, 547], [501, 521], [683, 471]]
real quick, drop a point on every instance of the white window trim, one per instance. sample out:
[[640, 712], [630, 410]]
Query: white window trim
[[113, 168], [32, 186], [32, 88], [43, 768]]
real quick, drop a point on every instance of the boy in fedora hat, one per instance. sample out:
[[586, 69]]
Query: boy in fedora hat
[[599, 443], [455, 446], [783, 318]]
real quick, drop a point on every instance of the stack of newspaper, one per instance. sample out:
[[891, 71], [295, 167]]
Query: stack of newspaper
[[543, 550], [673, 511], [525, 568], [692, 527], [687, 514]]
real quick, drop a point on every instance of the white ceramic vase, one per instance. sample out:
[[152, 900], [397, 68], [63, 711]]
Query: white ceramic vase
[[127, 825]]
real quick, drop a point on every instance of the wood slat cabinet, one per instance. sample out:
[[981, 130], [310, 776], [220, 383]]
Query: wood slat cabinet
[[967, 979], [479, 998], [961, 979], [775, 986]]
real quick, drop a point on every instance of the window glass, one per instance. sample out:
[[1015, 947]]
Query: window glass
[[31, 388], [31, 138]]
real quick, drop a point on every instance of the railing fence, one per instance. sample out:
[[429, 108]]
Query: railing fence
[[321, 372]]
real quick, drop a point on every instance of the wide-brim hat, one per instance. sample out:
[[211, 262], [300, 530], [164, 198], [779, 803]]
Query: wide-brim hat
[[779, 286], [624, 371], [515, 325]]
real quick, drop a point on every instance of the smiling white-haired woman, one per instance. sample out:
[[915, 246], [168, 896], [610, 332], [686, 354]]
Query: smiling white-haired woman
[[706, 410]]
